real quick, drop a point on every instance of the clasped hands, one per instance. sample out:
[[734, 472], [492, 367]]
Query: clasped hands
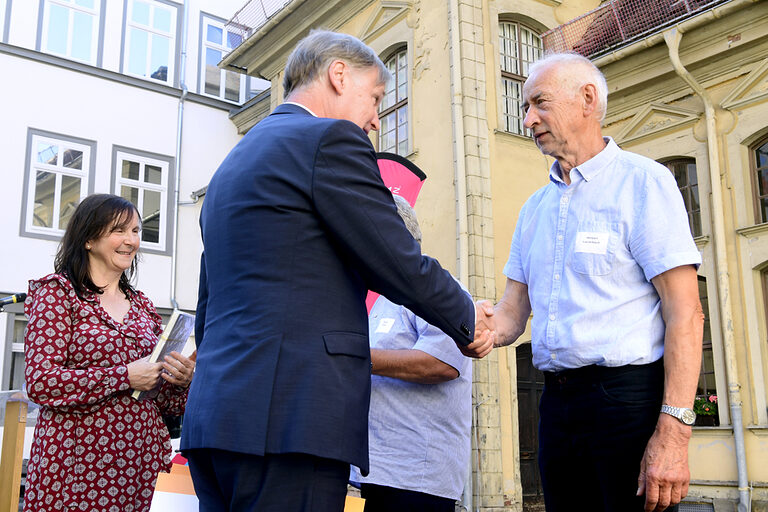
[[176, 369], [485, 331]]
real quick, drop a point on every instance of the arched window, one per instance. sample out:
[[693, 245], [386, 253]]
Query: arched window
[[759, 165], [684, 171], [519, 46], [393, 112]]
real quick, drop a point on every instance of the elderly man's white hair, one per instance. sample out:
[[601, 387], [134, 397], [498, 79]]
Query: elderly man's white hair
[[408, 215], [573, 81]]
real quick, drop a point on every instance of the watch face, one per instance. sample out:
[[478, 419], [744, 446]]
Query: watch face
[[688, 416]]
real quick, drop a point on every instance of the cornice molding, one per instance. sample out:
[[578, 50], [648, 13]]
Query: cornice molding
[[753, 88], [755, 230], [387, 14], [654, 119], [265, 52]]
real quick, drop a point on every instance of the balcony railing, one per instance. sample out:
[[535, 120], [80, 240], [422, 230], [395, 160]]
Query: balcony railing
[[252, 16], [618, 23]]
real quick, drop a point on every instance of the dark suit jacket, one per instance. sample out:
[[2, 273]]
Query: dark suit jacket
[[297, 225]]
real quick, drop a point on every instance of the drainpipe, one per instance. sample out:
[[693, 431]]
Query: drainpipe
[[177, 163], [460, 177], [672, 37]]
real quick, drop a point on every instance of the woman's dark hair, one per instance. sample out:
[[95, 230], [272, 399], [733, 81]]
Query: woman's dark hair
[[95, 216]]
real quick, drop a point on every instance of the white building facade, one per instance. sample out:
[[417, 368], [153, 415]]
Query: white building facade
[[117, 96]]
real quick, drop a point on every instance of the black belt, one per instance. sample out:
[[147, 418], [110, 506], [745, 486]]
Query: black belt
[[595, 373]]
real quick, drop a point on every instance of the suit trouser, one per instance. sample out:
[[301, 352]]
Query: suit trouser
[[238, 482], [379, 498], [594, 425]]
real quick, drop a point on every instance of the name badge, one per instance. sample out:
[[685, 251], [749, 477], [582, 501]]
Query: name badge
[[385, 325], [591, 242]]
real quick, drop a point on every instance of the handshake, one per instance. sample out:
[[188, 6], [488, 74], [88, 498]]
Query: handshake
[[485, 331]]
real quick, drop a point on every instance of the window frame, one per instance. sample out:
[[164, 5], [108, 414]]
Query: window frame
[[119, 154], [86, 173], [398, 105], [669, 163], [5, 19], [172, 78], [753, 170], [209, 19], [97, 40], [514, 78]]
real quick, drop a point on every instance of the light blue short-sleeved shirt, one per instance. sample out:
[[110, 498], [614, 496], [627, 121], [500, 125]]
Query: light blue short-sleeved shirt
[[418, 434], [587, 252]]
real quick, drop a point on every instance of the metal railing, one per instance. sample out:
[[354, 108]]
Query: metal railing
[[618, 23], [252, 16]]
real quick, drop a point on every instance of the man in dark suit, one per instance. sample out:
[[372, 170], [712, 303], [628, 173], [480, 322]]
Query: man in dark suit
[[296, 226]]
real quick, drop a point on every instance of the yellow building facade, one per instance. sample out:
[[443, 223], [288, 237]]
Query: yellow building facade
[[454, 111]]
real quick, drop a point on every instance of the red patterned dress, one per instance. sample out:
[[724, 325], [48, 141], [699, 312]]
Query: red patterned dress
[[95, 447]]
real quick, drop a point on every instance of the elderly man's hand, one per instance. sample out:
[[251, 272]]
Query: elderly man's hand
[[664, 473], [485, 334]]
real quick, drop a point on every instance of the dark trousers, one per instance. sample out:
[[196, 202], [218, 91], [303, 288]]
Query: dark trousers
[[238, 482], [379, 498], [595, 423]]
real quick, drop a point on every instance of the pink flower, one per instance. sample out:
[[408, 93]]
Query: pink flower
[[713, 399]]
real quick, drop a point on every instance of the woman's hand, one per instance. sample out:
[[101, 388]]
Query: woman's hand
[[144, 375], [179, 369]]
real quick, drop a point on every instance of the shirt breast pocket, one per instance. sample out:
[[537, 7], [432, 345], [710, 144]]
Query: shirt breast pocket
[[594, 248]]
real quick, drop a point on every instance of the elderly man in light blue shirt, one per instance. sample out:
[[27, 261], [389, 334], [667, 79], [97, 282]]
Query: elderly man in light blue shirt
[[603, 257]]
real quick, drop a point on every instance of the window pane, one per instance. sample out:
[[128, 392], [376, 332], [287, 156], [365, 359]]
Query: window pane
[[47, 153], [130, 193], [70, 197], [696, 223], [212, 72], [150, 224], [162, 20], [72, 159], [692, 178], [214, 34], [58, 25], [762, 155], [764, 210], [161, 48], [130, 171], [153, 174], [82, 36], [233, 40], [232, 86], [45, 186], [137, 52], [85, 3], [762, 177], [140, 13]]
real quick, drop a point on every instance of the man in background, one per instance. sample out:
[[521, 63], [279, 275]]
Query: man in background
[[421, 409]]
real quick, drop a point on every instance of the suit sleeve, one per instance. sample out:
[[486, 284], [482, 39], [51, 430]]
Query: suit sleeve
[[360, 216]]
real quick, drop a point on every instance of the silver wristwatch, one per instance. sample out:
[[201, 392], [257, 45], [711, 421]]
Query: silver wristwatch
[[685, 415]]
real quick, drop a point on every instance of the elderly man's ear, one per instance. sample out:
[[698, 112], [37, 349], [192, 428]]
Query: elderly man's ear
[[589, 98], [337, 75]]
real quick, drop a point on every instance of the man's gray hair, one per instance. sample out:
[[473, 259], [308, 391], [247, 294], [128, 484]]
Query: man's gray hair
[[314, 54], [577, 80], [408, 215]]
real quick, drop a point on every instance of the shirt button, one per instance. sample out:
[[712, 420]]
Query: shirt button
[[557, 277], [559, 237], [553, 356], [551, 317], [565, 199]]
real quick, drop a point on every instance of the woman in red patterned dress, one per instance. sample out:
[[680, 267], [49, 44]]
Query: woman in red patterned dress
[[95, 447]]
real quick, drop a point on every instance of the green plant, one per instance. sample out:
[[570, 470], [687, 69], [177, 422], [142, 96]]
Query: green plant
[[705, 405]]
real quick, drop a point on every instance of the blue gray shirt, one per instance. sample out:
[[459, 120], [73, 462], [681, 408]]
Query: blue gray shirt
[[588, 251], [418, 434]]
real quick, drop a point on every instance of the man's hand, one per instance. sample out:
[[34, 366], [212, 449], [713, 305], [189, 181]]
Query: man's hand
[[485, 334], [664, 474], [179, 369]]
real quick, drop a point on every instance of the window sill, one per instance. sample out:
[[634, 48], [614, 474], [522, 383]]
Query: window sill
[[720, 430], [513, 136], [701, 241], [755, 230]]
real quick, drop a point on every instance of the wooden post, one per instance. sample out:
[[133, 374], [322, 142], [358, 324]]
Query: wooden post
[[13, 446]]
